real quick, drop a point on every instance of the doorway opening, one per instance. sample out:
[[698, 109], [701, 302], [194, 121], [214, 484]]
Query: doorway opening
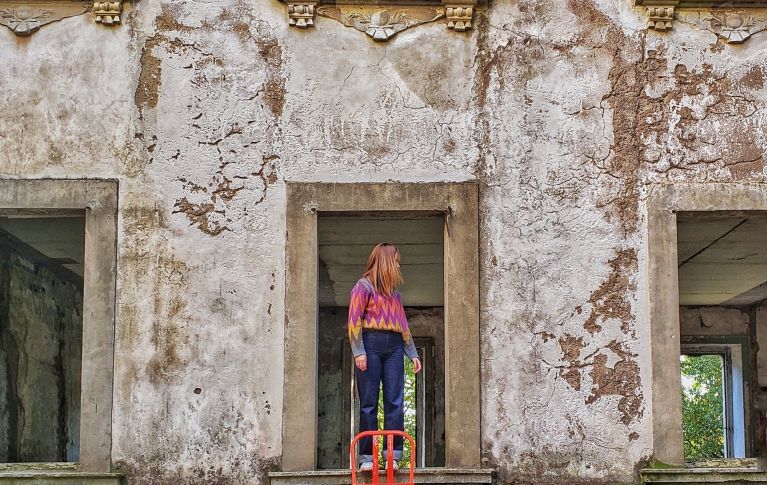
[[41, 328], [722, 268], [345, 240]]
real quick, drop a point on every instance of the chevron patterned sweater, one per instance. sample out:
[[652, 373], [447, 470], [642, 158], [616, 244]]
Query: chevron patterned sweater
[[368, 309]]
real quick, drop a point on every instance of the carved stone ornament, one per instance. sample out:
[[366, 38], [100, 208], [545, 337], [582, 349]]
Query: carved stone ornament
[[301, 14], [459, 16], [381, 21], [735, 28], [108, 13], [660, 18], [26, 18], [381, 25]]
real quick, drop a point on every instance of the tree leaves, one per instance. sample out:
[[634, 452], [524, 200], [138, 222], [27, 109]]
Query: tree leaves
[[702, 406]]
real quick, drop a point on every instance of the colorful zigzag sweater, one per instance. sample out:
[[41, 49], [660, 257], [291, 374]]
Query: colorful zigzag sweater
[[368, 309]]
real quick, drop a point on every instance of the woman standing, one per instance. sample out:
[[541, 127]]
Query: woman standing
[[380, 338]]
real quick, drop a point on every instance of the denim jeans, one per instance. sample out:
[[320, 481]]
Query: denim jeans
[[385, 356]]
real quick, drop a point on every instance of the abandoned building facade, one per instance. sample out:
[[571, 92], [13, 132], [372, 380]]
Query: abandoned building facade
[[189, 190]]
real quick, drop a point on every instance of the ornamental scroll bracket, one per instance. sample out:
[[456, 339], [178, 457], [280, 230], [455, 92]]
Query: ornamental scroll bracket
[[733, 21], [25, 17], [382, 20]]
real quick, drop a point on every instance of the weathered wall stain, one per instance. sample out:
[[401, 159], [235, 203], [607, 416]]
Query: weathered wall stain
[[571, 349], [208, 213], [611, 300], [622, 379], [150, 78]]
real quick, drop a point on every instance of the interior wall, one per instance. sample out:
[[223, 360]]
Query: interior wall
[[760, 315], [330, 400], [40, 361], [430, 322], [713, 321]]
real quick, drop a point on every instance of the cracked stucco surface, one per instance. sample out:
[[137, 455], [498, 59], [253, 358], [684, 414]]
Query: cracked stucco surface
[[563, 111]]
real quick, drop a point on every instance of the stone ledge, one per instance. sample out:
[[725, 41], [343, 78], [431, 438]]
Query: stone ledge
[[54, 473], [695, 476], [42, 477], [432, 476]]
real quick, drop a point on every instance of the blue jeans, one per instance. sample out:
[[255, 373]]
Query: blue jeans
[[385, 356]]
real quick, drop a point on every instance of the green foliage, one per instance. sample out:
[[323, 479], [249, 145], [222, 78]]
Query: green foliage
[[410, 413], [702, 407]]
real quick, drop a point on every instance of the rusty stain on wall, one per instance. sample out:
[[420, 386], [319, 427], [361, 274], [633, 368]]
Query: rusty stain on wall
[[150, 79]]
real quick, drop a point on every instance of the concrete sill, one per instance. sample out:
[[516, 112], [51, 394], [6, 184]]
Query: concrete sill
[[723, 471], [54, 466], [432, 476], [53, 474]]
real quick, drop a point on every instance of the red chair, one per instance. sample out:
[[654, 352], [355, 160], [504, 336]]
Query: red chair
[[389, 456]]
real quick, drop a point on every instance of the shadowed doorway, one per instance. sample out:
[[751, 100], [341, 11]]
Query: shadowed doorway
[[344, 242]]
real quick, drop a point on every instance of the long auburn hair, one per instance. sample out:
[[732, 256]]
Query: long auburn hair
[[382, 269]]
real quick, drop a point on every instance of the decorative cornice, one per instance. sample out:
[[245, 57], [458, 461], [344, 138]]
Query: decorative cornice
[[25, 17], [733, 27], [660, 18], [460, 15], [108, 13], [380, 24], [301, 14], [382, 20]]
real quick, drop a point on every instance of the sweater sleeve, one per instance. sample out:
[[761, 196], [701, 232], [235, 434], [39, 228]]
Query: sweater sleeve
[[357, 302], [407, 339], [409, 346]]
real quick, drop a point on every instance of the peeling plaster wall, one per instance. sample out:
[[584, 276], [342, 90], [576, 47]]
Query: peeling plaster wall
[[562, 110]]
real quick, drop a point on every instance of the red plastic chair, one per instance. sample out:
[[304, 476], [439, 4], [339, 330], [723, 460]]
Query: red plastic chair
[[390, 434]]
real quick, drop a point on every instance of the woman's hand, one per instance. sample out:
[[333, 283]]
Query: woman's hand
[[416, 365], [361, 361]]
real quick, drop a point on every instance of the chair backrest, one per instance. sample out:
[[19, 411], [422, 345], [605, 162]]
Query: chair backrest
[[389, 434]]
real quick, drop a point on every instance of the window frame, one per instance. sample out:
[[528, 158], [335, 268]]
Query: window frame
[[661, 295], [98, 198], [729, 347], [460, 202]]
